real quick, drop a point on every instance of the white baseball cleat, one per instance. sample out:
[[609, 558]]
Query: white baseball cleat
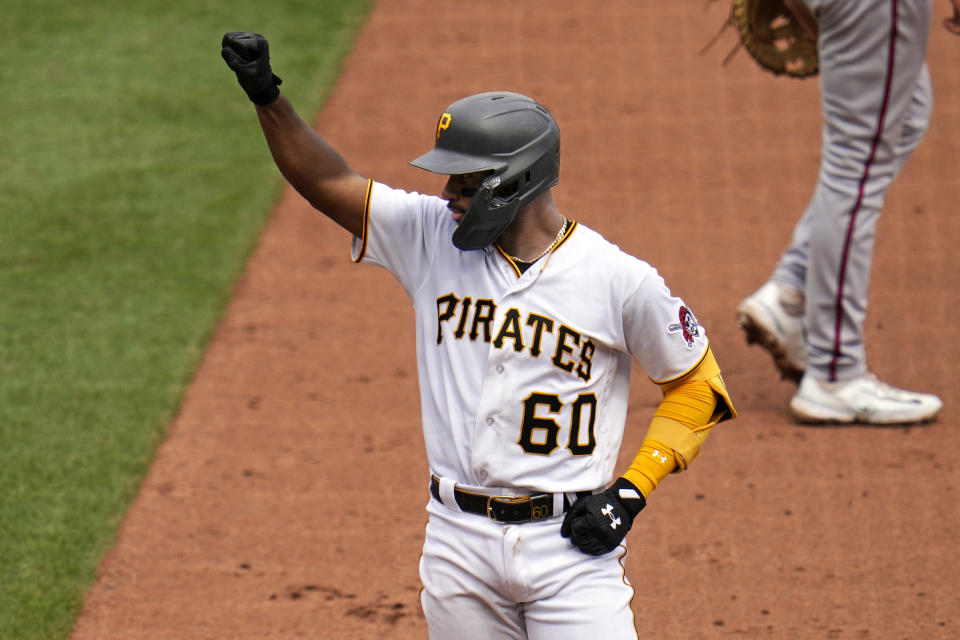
[[863, 399], [765, 321]]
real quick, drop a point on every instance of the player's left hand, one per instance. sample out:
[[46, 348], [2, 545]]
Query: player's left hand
[[597, 524]]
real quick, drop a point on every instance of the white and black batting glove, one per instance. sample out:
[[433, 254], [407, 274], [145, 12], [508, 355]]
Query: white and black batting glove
[[597, 524]]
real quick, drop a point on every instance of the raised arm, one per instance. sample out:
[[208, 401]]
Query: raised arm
[[314, 168]]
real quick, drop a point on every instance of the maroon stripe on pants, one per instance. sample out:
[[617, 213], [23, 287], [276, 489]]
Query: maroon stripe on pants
[[838, 324]]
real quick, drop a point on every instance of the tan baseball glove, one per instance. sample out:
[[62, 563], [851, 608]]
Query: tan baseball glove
[[781, 40]]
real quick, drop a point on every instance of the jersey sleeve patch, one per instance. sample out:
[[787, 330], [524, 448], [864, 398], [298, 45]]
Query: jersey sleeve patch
[[686, 325]]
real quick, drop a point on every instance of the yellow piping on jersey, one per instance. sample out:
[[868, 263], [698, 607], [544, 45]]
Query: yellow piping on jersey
[[506, 256], [573, 225], [569, 232], [365, 223], [509, 260]]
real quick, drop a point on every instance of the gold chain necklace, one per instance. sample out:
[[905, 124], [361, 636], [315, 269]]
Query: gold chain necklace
[[556, 241]]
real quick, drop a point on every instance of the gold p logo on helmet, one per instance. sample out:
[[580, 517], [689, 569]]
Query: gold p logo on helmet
[[444, 123]]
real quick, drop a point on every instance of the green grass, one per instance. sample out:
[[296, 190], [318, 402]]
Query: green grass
[[134, 182]]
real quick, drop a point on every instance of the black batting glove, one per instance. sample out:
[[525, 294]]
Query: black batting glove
[[248, 55], [597, 524]]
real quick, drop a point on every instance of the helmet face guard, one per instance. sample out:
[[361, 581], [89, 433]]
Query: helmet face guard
[[508, 134], [488, 216]]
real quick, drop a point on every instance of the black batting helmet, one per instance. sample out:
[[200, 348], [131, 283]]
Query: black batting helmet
[[507, 133]]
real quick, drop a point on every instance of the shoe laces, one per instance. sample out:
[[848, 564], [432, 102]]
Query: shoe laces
[[887, 389]]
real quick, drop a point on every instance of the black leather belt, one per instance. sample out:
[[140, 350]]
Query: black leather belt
[[505, 509]]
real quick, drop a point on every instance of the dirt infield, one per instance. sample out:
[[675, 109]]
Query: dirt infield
[[288, 500]]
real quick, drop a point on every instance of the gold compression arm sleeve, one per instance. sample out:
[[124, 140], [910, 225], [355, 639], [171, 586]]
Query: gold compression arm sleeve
[[691, 406]]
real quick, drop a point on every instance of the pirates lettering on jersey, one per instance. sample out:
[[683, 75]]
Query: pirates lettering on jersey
[[477, 319]]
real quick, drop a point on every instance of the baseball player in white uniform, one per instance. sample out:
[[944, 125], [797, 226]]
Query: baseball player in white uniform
[[527, 323], [876, 101]]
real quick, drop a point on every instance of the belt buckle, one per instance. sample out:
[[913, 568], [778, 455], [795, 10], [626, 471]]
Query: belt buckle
[[505, 500]]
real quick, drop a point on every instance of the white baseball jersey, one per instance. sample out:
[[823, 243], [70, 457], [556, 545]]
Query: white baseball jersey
[[524, 378]]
